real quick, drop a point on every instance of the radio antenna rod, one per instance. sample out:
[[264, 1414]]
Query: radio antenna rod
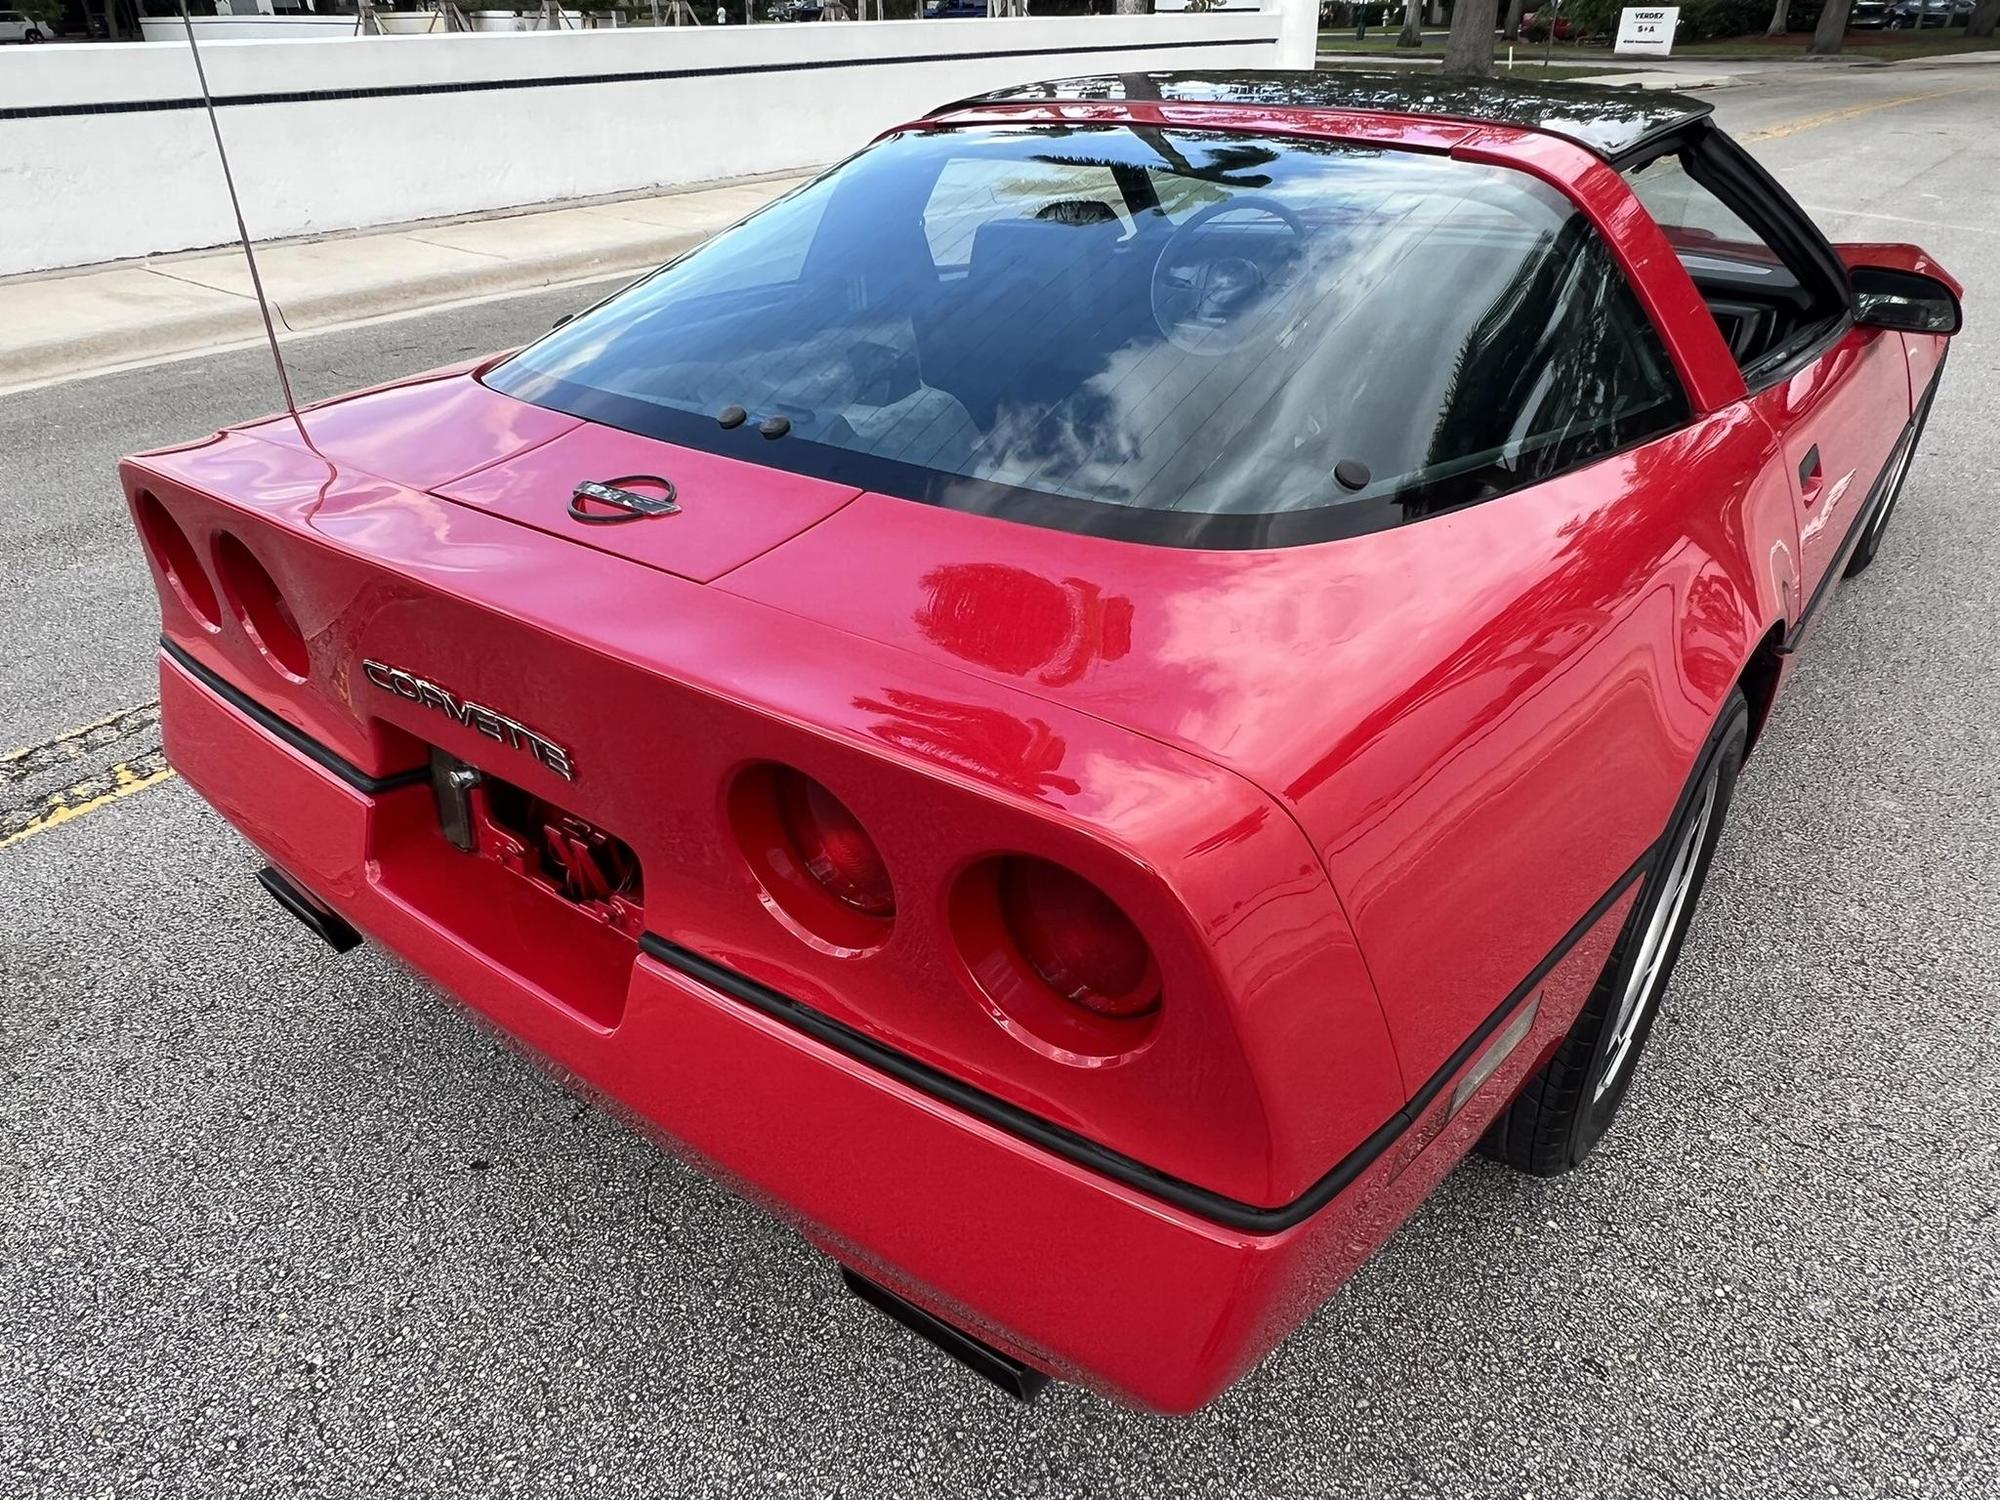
[[243, 232]]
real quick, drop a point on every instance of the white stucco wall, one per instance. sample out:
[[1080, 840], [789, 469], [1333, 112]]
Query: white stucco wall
[[108, 178]]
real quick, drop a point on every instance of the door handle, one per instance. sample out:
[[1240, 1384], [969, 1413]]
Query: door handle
[[1810, 475]]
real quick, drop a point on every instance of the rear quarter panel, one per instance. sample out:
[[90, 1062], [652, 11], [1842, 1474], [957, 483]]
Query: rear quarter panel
[[1480, 720]]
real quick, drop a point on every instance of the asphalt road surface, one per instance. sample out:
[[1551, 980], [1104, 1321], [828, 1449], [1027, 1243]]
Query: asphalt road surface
[[275, 1223]]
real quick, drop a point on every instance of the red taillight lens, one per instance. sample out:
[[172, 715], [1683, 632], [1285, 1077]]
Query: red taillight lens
[[265, 616], [1077, 940], [834, 848], [176, 557]]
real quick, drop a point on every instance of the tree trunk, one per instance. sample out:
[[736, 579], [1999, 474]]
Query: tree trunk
[[1781, 19], [1832, 29], [1984, 14], [1512, 30], [1468, 51], [1413, 25]]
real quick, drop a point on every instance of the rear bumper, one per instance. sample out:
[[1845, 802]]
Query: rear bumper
[[1088, 1277]]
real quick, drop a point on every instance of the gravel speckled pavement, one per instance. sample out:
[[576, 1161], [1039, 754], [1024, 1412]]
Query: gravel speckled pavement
[[274, 1223]]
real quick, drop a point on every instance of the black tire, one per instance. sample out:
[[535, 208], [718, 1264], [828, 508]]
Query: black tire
[[31, 36], [1563, 1110], [1871, 539]]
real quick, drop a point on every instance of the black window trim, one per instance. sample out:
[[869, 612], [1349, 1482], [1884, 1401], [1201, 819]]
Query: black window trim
[[1719, 164]]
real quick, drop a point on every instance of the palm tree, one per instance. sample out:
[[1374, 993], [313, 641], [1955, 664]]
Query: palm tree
[[1832, 29], [1984, 14], [1413, 24], [1468, 51], [1781, 18]]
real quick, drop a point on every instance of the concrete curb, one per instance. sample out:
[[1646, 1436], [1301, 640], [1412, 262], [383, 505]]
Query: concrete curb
[[70, 325], [162, 336]]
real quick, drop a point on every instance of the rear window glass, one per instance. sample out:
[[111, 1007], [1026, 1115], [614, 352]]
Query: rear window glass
[[1193, 338]]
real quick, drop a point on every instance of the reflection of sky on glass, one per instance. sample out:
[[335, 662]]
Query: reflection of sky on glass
[[1172, 320]]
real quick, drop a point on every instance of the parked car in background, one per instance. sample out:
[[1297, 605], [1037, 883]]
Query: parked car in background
[[15, 27], [1533, 27], [955, 10], [1869, 15], [1912, 14]]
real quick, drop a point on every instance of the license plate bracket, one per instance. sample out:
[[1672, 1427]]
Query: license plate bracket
[[547, 845]]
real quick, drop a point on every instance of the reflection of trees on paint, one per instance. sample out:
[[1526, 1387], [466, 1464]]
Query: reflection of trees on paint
[[1019, 622], [1021, 755]]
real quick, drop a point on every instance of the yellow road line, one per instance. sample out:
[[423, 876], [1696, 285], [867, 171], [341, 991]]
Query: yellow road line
[[1853, 111], [111, 785], [127, 723]]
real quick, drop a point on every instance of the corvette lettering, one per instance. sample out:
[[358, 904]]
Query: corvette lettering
[[475, 716]]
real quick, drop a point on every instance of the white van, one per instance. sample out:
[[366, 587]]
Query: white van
[[15, 27]]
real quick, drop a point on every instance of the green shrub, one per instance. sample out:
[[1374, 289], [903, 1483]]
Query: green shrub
[[1589, 18], [1803, 15], [1714, 20]]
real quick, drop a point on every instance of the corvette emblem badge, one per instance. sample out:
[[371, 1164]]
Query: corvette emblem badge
[[653, 497]]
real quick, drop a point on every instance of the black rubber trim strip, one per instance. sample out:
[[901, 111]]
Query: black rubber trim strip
[[1913, 431], [1060, 1141], [656, 75], [298, 739]]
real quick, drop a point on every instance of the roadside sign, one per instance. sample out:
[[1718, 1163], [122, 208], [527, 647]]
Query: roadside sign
[[1646, 32]]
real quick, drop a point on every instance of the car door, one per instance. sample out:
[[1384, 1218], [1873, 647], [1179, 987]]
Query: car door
[[1836, 395], [1838, 416]]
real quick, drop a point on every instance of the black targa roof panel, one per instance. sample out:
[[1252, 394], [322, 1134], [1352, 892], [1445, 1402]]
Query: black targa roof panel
[[1608, 121]]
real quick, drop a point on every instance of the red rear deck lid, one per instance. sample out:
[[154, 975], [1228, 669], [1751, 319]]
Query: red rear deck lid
[[681, 510]]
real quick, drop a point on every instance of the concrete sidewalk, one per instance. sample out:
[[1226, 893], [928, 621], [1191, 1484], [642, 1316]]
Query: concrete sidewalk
[[63, 324], [1632, 78]]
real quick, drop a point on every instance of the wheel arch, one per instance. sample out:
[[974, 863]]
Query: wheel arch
[[1759, 680]]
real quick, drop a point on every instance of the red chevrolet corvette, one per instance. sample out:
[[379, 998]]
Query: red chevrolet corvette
[[1086, 703]]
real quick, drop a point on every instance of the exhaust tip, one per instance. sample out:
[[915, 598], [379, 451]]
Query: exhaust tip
[[326, 925], [1022, 1382]]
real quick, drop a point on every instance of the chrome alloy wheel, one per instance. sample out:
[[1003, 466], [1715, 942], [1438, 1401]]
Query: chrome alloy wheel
[[1642, 983]]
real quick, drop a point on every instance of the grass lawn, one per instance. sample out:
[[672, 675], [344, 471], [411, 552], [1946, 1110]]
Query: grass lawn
[[1378, 40], [1881, 46], [1885, 46]]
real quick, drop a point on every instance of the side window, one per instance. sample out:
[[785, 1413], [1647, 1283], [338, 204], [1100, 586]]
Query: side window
[[1692, 215], [973, 192], [1766, 305]]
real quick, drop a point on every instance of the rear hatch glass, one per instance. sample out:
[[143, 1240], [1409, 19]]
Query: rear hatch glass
[[1200, 338]]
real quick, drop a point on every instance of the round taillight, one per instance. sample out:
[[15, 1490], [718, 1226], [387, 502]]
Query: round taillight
[[261, 610], [175, 555], [833, 846], [814, 866], [1075, 937]]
